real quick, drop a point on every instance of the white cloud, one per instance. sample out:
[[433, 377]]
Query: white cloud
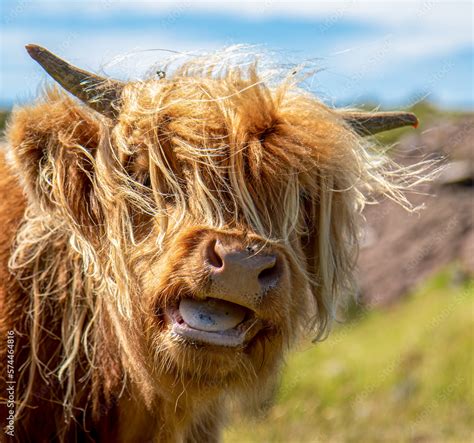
[[392, 12], [422, 27], [407, 31]]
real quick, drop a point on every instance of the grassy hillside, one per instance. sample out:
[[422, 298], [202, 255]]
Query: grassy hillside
[[402, 375], [3, 118]]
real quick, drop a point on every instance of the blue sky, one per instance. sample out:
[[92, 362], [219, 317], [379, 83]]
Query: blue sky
[[389, 53]]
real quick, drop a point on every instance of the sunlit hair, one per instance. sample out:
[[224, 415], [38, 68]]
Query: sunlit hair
[[212, 144]]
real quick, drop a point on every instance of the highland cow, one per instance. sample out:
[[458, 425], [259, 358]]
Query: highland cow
[[166, 241]]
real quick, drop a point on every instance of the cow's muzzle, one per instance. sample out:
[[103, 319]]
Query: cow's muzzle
[[225, 313]]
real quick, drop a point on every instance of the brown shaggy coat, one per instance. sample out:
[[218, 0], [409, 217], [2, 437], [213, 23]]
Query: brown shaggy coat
[[101, 226]]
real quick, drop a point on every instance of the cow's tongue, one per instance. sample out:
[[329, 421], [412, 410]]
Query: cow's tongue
[[211, 315]]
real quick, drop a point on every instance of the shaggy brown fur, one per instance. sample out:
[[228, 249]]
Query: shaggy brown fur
[[108, 234]]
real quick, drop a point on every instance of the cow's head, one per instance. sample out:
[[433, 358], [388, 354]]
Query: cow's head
[[215, 217]]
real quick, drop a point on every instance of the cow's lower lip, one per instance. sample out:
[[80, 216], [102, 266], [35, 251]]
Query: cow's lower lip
[[237, 336]]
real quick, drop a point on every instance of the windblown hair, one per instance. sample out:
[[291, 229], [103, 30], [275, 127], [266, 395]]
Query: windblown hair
[[212, 145]]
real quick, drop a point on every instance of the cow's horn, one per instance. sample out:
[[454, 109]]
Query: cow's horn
[[101, 94], [369, 123]]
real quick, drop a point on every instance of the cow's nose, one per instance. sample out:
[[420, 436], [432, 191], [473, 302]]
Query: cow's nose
[[242, 272]]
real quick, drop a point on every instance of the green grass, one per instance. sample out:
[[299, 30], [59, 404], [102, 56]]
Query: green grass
[[398, 375], [3, 119]]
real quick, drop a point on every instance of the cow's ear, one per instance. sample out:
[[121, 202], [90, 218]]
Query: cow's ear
[[52, 149]]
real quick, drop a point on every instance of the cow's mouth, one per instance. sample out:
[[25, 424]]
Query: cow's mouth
[[212, 322]]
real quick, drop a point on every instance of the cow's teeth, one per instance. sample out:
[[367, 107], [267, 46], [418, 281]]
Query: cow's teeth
[[211, 315]]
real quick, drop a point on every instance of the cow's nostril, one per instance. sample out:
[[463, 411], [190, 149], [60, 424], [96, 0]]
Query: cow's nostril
[[238, 273], [212, 255], [269, 276]]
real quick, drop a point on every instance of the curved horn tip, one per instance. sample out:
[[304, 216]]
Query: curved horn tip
[[415, 121], [33, 49], [408, 117]]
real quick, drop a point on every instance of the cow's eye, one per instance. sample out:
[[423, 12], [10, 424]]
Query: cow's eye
[[304, 195], [146, 181]]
